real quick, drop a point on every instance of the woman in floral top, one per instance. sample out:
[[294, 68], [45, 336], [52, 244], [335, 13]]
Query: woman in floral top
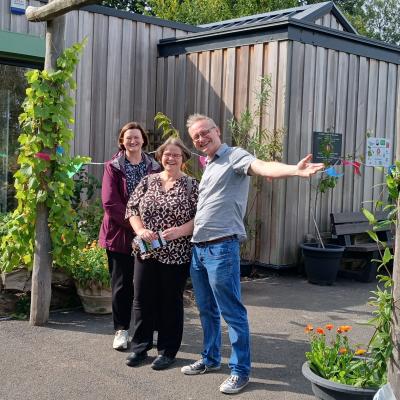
[[162, 208]]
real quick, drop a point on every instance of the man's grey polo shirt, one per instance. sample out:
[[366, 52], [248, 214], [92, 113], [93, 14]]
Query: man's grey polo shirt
[[223, 193]]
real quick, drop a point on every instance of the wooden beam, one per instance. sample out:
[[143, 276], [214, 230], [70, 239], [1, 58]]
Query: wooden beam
[[55, 9]]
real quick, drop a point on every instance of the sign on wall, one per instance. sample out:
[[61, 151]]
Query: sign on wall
[[378, 153], [18, 6], [327, 147]]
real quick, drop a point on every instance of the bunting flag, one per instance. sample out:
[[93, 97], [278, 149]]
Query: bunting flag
[[60, 150], [202, 161], [355, 164], [391, 169], [75, 168], [332, 172], [43, 156]]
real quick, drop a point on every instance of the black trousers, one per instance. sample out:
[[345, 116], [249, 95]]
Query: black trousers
[[158, 305], [121, 270]]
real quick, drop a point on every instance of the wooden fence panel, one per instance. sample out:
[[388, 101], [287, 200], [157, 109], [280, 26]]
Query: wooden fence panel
[[103, 143], [128, 58], [266, 215], [305, 203], [84, 82], [156, 33], [203, 79], [141, 70], [293, 148], [329, 125], [215, 94], [361, 126], [390, 126], [277, 255], [228, 91], [340, 123], [381, 110], [371, 127], [349, 130]]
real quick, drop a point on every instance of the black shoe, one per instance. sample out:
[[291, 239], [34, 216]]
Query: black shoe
[[162, 362], [135, 359]]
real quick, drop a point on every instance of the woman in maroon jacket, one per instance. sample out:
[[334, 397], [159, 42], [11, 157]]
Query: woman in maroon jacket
[[121, 176]]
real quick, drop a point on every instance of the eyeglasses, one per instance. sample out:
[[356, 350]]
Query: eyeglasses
[[202, 134], [171, 155]]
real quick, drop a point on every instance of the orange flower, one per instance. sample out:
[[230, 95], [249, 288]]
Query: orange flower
[[345, 328], [329, 327], [342, 350], [320, 331], [360, 352], [308, 328], [339, 330]]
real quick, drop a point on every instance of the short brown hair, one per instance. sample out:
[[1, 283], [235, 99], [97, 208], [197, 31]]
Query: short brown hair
[[186, 154], [126, 127]]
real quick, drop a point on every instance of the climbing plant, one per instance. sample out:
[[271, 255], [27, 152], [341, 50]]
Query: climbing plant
[[45, 166]]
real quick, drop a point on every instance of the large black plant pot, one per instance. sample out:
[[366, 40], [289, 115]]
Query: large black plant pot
[[328, 390], [322, 264], [246, 267]]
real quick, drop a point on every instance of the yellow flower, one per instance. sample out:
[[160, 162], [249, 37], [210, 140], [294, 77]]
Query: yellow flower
[[360, 352]]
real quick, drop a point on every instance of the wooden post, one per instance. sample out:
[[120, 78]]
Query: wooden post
[[394, 363], [53, 13]]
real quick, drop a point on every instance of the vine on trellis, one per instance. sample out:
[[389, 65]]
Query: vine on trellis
[[46, 168]]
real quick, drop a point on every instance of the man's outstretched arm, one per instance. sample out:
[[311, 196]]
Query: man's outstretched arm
[[274, 169]]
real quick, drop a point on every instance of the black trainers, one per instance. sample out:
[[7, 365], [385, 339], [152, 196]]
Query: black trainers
[[199, 367], [162, 362], [135, 359]]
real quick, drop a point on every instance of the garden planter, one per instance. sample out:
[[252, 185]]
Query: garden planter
[[246, 268], [322, 264], [18, 279], [324, 389], [95, 300]]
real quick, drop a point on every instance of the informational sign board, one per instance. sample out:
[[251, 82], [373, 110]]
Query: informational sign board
[[378, 152], [327, 147], [18, 6]]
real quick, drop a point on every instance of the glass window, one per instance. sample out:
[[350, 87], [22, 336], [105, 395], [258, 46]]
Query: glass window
[[12, 94]]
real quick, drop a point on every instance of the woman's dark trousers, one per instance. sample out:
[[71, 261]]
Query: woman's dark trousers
[[158, 305], [121, 270]]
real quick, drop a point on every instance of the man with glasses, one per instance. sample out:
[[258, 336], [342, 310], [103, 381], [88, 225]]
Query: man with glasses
[[218, 230]]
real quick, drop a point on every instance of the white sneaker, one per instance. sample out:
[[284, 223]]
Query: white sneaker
[[120, 340]]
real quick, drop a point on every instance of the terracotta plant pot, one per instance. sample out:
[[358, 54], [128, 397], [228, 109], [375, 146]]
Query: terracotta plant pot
[[95, 300], [324, 389]]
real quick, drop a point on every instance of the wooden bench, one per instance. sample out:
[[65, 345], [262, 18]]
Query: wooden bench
[[350, 230]]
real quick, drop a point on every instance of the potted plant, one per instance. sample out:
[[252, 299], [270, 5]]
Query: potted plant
[[340, 371], [322, 260], [89, 269]]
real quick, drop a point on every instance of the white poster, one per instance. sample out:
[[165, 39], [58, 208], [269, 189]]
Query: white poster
[[18, 6], [379, 152]]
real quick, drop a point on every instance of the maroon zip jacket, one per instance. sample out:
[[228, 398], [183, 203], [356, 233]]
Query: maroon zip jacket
[[116, 233]]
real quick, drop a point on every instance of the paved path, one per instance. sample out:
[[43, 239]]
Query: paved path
[[71, 357]]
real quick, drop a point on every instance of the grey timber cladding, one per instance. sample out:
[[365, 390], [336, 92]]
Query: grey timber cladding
[[116, 77]]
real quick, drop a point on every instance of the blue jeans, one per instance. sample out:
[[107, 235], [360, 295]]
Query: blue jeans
[[215, 272]]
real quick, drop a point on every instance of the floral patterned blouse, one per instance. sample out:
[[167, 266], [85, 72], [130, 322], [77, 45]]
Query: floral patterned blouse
[[134, 173], [160, 209]]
